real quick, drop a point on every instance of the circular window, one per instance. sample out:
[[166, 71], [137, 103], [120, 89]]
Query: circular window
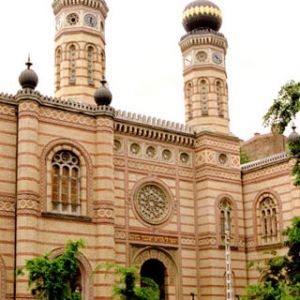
[[150, 152], [135, 148], [117, 145], [201, 56], [184, 157], [166, 155], [223, 159], [73, 19], [152, 203]]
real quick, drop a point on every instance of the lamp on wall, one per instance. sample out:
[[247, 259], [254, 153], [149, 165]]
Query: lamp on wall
[[193, 296]]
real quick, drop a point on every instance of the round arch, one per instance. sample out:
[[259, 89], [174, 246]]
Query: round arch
[[233, 204], [86, 166], [86, 271], [268, 193], [172, 277]]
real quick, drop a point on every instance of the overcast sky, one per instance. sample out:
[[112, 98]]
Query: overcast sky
[[144, 62]]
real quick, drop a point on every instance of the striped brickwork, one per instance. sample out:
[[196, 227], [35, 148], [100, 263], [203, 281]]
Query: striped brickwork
[[8, 136], [274, 180], [215, 180], [117, 156], [206, 108], [78, 73]]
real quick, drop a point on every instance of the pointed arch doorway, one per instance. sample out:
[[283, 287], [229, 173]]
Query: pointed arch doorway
[[155, 270]]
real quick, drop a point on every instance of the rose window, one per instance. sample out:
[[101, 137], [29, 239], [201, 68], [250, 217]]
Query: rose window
[[152, 203]]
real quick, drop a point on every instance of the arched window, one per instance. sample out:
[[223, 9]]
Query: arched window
[[66, 183], [72, 64], [188, 96], [267, 213], [226, 217], [203, 91], [220, 92], [58, 66], [90, 64]]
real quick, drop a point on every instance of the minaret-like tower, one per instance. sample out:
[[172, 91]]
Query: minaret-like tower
[[79, 48], [205, 81]]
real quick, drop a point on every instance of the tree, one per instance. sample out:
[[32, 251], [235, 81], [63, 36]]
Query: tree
[[280, 274], [54, 279], [127, 288], [283, 110]]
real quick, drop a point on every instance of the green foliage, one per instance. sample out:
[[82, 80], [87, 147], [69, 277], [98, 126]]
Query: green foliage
[[285, 107], [53, 279], [244, 158], [281, 113], [281, 274], [127, 287]]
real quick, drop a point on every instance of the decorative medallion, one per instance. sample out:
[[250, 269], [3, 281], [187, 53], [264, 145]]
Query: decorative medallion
[[152, 203], [201, 56], [223, 159], [150, 151], [166, 154], [72, 19], [184, 158], [135, 148], [117, 145]]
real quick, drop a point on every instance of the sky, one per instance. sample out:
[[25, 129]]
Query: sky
[[144, 61]]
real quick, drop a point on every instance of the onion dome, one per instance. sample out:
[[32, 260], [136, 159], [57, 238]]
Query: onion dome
[[202, 14], [28, 78], [294, 137], [103, 95]]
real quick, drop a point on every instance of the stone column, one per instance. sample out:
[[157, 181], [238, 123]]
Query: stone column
[[104, 203], [28, 178]]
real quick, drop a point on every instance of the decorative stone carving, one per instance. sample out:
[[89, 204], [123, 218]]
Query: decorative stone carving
[[166, 155], [153, 239], [150, 152], [152, 203], [117, 145], [184, 158], [223, 159], [135, 148]]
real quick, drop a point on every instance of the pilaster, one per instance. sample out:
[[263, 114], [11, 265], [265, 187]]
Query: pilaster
[[28, 178], [104, 203]]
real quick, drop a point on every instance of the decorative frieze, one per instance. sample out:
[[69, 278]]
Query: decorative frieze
[[7, 205], [153, 239]]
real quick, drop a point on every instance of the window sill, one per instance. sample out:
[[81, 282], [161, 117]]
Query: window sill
[[54, 215], [269, 246]]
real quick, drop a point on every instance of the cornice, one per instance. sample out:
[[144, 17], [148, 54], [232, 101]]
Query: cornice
[[153, 128], [229, 137], [8, 99], [203, 37], [267, 161], [125, 122], [101, 5]]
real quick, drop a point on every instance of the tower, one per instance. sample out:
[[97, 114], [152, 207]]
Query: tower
[[79, 48], [204, 50]]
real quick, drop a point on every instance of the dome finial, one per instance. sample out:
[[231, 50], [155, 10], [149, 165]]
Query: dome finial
[[103, 95], [28, 78], [28, 63], [202, 14]]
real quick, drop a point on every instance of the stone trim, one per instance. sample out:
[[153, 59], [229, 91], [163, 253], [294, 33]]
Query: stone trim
[[270, 160], [203, 37], [96, 4]]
